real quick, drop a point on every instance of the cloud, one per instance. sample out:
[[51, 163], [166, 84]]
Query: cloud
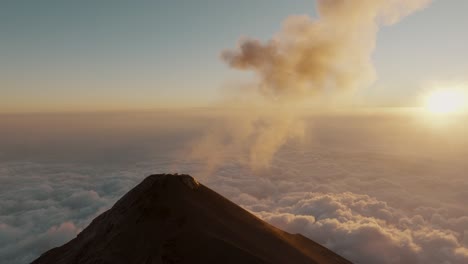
[[368, 207], [366, 230], [373, 188], [44, 206], [28, 246]]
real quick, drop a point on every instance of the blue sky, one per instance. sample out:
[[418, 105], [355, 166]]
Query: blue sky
[[91, 55]]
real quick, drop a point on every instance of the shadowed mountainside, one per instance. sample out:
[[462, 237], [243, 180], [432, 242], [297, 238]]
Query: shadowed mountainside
[[175, 219]]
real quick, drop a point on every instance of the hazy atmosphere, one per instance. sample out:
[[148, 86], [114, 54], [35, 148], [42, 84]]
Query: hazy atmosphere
[[344, 121]]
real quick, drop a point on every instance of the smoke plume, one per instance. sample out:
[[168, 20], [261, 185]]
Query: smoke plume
[[314, 56], [250, 139], [310, 58]]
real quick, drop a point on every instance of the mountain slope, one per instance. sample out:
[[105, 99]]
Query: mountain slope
[[174, 219]]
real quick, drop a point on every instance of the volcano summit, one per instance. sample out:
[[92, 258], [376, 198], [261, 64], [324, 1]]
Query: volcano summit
[[175, 219]]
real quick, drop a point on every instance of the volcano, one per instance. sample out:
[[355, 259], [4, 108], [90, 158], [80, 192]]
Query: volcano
[[175, 219]]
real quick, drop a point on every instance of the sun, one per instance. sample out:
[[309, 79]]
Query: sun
[[445, 101]]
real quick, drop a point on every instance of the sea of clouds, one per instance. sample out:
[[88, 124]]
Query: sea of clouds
[[374, 188]]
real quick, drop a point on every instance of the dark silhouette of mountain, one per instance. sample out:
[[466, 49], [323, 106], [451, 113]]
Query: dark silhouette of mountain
[[174, 219]]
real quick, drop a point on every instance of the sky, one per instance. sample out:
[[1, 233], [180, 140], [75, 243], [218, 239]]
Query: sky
[[120, 55]]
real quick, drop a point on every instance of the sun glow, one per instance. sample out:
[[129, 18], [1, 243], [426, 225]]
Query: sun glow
[[445, 101]]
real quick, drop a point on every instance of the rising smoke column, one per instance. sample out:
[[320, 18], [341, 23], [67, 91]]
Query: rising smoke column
[[308, 58], [312, 56]]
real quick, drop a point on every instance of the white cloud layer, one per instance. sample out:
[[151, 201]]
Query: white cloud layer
[[373, 189]]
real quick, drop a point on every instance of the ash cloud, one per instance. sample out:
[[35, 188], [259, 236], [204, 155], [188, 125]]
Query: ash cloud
[[310, 60], [254, 138], [313, 56]]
